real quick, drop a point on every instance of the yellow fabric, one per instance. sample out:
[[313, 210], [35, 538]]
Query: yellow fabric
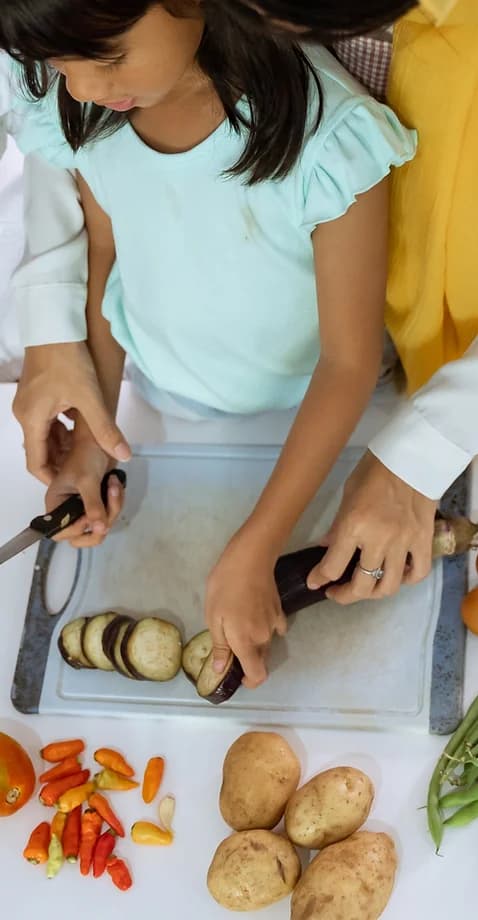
[[437, 10], [432, 309]]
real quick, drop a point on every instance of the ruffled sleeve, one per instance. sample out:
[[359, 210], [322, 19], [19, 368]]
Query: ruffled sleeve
[[356, 153], [39, 126]]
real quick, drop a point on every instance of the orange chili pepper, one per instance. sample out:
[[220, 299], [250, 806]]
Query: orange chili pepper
[[60, 750], [50, 793], [58, 825], [74, 797], [119, 873], [72, 834], [114, 761], [90, 831], [152, 778], [36, 850], [103, 807], [65, 768], [108, 779], [151, 835]]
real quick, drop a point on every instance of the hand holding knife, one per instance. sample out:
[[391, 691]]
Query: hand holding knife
[[50, 524]]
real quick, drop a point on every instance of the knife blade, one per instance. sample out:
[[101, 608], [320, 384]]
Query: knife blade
[[48, 525]]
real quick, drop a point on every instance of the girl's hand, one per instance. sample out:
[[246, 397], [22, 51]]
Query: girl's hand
[[387, 520], [243, 609], [82, 473]]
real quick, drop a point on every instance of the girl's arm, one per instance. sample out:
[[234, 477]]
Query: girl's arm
[[86, 463], [351, 266]]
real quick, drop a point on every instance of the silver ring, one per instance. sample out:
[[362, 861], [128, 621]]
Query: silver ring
[[374, 573]]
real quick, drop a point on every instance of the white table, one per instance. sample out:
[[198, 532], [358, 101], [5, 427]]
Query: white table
[[170, 883]]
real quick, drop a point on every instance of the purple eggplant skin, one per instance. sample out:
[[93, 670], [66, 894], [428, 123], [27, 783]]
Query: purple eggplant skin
[[110, 633], [291, 573]]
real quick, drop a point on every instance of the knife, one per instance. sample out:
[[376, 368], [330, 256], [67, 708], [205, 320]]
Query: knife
[[48, 525]]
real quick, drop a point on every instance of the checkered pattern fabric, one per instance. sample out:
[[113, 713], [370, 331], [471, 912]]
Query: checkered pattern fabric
[[368, 59]]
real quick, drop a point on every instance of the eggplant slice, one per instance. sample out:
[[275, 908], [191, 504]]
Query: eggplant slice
[[291, 573], [118, 659], [69, 645], [92, 640], [110, 638], [151, 649], [195, 653]]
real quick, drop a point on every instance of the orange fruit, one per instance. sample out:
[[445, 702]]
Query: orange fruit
[[469, 611], [17, 777]]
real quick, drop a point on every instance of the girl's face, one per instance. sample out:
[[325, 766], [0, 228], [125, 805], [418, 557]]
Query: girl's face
[[147, 65]]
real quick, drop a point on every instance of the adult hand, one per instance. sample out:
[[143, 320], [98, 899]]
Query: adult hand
[[388, 521], [55, 379], [243, 609]]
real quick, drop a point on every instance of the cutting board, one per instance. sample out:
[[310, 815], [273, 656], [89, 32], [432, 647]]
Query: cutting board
[[393, 664]]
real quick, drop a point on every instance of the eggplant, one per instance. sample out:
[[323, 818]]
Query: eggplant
[[151, 649], [112, 638], [291, 573], [92, 640], [69, 645], [195, 654]]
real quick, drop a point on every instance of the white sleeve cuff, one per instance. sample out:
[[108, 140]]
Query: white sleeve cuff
[[51, 313], [418, 453]]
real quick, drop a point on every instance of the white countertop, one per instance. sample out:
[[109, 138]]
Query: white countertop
[[170, 883]]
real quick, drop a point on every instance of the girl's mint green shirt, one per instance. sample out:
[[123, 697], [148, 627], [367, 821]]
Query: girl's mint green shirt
[[213, 294]]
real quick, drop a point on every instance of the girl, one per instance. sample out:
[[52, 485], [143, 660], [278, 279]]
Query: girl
[[233, 179]]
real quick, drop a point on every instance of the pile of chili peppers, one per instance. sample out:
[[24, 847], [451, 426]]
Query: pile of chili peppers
[[88, 835]]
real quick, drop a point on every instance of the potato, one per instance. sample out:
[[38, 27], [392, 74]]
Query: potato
[[351, 880], [330, 807], [260, 774], [253, 869]]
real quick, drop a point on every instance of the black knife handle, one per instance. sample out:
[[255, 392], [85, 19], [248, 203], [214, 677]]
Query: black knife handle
[[71, 510]]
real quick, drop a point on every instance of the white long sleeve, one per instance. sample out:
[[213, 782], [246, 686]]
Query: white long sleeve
[[51, 283], [434, 436]]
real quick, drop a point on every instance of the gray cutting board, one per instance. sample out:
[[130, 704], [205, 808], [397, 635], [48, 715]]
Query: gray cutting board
[[388, 665]]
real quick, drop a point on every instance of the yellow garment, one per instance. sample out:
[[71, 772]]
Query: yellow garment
[[437, 10], [432, 310]]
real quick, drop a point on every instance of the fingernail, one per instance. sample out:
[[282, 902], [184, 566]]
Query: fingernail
[[219, 666], [122, 452], [313, 585], [99, 527], [114, 489]]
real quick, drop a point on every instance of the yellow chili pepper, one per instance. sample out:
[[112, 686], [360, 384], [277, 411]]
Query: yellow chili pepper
[[74, 797], [108, 779], [151, 835], [58, 825], [55, 857]]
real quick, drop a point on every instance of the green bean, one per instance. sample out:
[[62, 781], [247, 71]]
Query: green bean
[[458, 798], [464, 816], [467, 732], [472, 775]]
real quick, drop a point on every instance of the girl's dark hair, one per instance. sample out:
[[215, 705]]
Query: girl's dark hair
[[325, 20], [274, 75]]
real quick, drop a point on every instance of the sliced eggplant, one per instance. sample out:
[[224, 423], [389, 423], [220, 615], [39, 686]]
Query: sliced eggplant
[[218, 688], [92, 640], [291, 573], [118, 659], [69, 644], [151, 649], [110, 636], [195, 654]]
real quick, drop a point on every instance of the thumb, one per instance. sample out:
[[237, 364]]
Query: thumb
[[103, 427], [220, 647]]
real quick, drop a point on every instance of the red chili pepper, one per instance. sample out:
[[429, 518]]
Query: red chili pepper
[[50, 793], [119, 873], [66, 768], [72, 835], [103, 807], [36, 850], [90, 831], [103, 850]]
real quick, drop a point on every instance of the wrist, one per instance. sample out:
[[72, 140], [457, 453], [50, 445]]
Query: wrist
[[260, 543]]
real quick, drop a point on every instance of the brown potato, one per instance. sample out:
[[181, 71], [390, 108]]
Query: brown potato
[[329, 808], [353, 878], [253, 869], [260, 774]]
